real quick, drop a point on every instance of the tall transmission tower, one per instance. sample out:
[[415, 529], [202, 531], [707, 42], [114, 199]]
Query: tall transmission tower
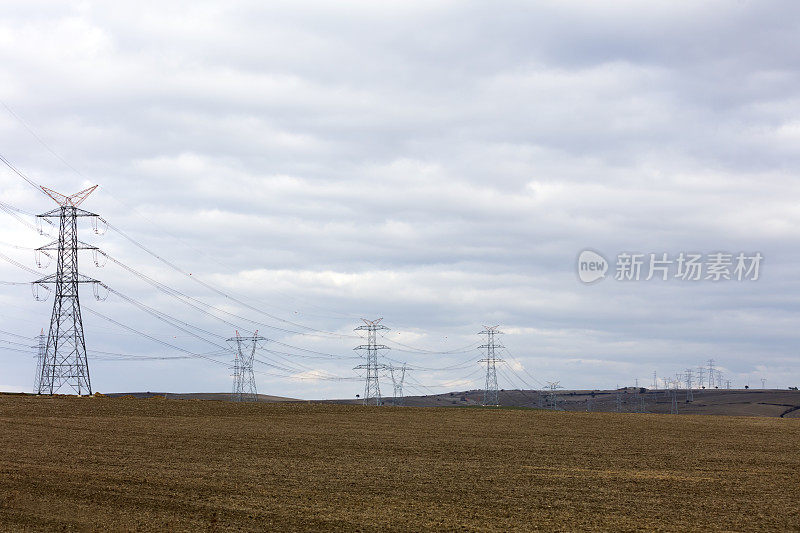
[[701, 373], [398, 375], [655, 381], [65, 362], [41, 349], [490, 394], [244, 382], [372, 388]]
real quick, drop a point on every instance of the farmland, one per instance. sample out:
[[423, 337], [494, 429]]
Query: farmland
[[155, 464]]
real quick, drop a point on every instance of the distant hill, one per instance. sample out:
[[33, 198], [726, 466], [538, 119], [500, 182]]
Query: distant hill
[[735, 402], [220, 396]]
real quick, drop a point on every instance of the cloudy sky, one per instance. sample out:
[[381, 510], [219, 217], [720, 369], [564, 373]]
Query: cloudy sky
[[437, 164]]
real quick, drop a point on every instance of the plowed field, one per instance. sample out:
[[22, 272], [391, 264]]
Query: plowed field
[[127, 464]]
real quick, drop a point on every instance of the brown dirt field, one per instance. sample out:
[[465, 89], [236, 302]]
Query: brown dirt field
[[133, 464]]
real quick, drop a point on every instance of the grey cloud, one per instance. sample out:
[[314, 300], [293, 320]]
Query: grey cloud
[[440, 164]]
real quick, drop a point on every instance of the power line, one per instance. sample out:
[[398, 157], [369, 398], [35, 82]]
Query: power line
[[20, 174], [219, 292]]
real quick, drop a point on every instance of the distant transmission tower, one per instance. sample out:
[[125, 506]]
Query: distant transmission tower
[[553, 386], [41, 349], [689, 384], [655, 381], [372, 388], [701, 376], [398, 375], [639, 400], [244, 382], [65, 361], [490, 394], [711, 374], [673, 410]]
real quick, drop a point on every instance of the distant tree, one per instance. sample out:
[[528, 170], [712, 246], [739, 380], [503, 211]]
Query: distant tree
[[747, 386]]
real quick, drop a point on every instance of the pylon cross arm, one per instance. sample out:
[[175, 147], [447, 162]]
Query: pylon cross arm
[[74, 200]]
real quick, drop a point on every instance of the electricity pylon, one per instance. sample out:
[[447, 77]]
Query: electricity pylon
[[490, 395], [673, 410], [41, 349], [553, 386], [244, 382], [372, 387], [711, 374], [65, 361], [689, 395], [398, 375]]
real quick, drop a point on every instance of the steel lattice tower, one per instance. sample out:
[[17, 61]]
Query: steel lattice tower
[[372, 388], [490, 395], [65, 361], [244, 382], [673, 410], [711, 374], [689, 384], [41, 349], [398, 375], [553, 386]]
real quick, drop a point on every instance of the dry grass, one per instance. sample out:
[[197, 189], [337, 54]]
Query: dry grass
[[122, 464]]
